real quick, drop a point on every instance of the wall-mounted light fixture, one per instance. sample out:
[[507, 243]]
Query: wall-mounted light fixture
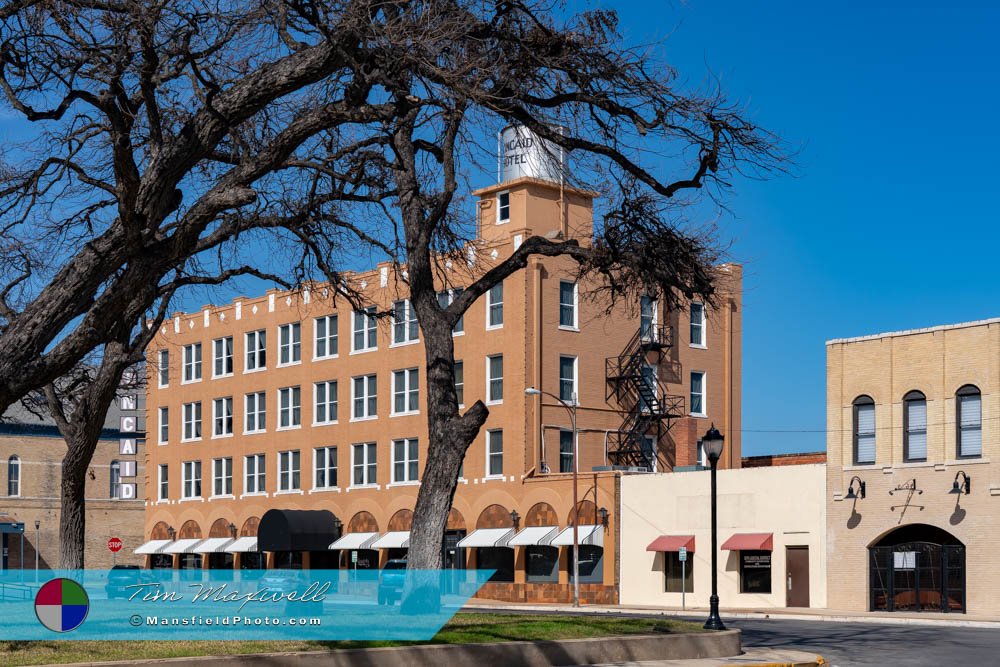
[[851, 493], [966, 485], [603, 513], [515, 519]]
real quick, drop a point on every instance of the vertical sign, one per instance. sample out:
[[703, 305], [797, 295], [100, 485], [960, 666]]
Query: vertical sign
[[127, 427], [682, 555]]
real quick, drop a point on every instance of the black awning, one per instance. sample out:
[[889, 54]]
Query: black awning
[[296, 530]]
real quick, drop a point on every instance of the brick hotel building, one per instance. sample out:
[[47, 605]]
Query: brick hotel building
[[289, 431]]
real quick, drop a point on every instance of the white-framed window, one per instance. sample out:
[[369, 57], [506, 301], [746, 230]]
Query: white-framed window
[[162, 482], [14, 476], [256, 413], [864, 430], [192, 363], [289, 407], [326, 341], [191, 478], [567, 378], [568, 305], [289, 478], [115, 478], [404, 323], [364, 397], [254, 474], [256, 351], [698, 393], [222, 357], [404, 460], [494, 307], [494, 378], [649, 452], [969, 419], [222, 417], [222, 476], [698, 338], [325, 402], [566, 451], [192, 421], [494, 453], [363, 464], [445, 299], [163, 419], [700, 457], [649, 376], [503, 207], [405, 392], [460, 382], [325, 459], [289, 344], [647, 317], [363, 324], [163, 367]]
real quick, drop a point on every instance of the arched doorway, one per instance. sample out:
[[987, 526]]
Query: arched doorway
[[917, 568]]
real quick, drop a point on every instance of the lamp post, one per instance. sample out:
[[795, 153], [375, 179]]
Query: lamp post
[[531, 391], [712, 443], [38, 524]]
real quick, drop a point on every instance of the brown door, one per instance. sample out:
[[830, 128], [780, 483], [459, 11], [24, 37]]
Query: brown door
[[797, 576]]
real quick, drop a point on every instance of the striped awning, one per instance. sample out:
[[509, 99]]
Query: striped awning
[[185, 546], [396, 539], [534, 536], [487, 537], [589, 535], [152, 547], [243, 545], [355, 541], [213, 545]]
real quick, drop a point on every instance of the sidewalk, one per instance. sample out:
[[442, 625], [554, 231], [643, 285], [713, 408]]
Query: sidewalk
[[754, 657], [800, 614]]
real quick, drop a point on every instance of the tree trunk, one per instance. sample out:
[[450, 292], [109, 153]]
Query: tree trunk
[[73, 517]]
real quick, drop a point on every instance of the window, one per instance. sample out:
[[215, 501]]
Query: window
[[404, 323], [256, 413], [969, 418], [163, 364], [405, 392], [460, 382], [192, 421], [326, 337], [288, 471], [679, 577], [325, 407], [591, 564], [363, 464], [364, 398], [289, 344], [445, 299], [162, 482], [191, 479], [326, 467], [222, 417], [648, 451], [254, 474], [494, 379], [503, 207], [698, 393], [701, 459], [494, 307], [698, 324], [567, 304], [14, 476], [864, 430], [567, 379], [222, 477], [404, 460], [915, 427], [566, 451], [647, 317], [650, 383], [192, 362], [289, 407], [164, 420], [542, 564], [494, 453], [256, 351], [222, 357], [364, 330], [500, 559], [115, 478], [755, 572]]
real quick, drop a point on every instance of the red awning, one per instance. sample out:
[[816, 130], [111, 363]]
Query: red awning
[[672, 543], [750, 542]]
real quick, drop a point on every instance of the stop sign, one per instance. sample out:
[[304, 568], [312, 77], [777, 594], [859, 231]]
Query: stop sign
[[114, 545]]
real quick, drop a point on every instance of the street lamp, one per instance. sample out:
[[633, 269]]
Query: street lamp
[[38, 524], [571, 407], [712, 443]]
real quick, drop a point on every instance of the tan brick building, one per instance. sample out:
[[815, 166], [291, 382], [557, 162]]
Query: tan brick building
[[290, 401], [912, 416]]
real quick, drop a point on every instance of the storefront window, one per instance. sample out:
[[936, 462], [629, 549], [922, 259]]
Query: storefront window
[[755, 572], [591, 564], [288, 560], [500, 559], [190, 562], [220, 561], [161, 561], [252, 560], [679, 576], [542, 564]]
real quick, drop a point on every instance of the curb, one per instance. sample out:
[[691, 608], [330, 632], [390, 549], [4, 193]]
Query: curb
[[818, 661]]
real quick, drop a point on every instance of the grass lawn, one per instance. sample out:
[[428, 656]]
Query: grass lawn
[[464, 628]]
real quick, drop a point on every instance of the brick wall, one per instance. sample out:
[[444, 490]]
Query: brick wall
[[799, 459]]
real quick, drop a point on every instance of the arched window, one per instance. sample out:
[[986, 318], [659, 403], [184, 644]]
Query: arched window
[[116, 479], [864, 430], [969, 420], [915, 426], [13, 476]]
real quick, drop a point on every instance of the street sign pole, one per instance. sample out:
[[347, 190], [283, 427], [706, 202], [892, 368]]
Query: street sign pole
[[682, 554]]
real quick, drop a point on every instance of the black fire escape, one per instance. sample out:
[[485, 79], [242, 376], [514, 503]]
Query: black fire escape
[[633, 383]]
